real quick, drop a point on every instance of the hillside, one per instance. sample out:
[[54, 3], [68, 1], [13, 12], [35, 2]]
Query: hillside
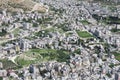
[[25, 5]]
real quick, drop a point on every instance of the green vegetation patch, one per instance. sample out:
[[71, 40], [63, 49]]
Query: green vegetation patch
[[45, 33], [63, 26], [23, 62], [85, 22], [16, 31], [84, 34], [107, 20], [1, 78], [7, 64], [115, 30], [117, 55], [3, 32], [112, 8], [43, 55]]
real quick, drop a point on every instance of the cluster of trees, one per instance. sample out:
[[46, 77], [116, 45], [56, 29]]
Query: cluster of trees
[[3, 32], [108, 20], [108, 1]]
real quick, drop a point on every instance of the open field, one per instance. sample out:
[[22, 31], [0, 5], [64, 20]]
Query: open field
[[84, 34], [42, 55]]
